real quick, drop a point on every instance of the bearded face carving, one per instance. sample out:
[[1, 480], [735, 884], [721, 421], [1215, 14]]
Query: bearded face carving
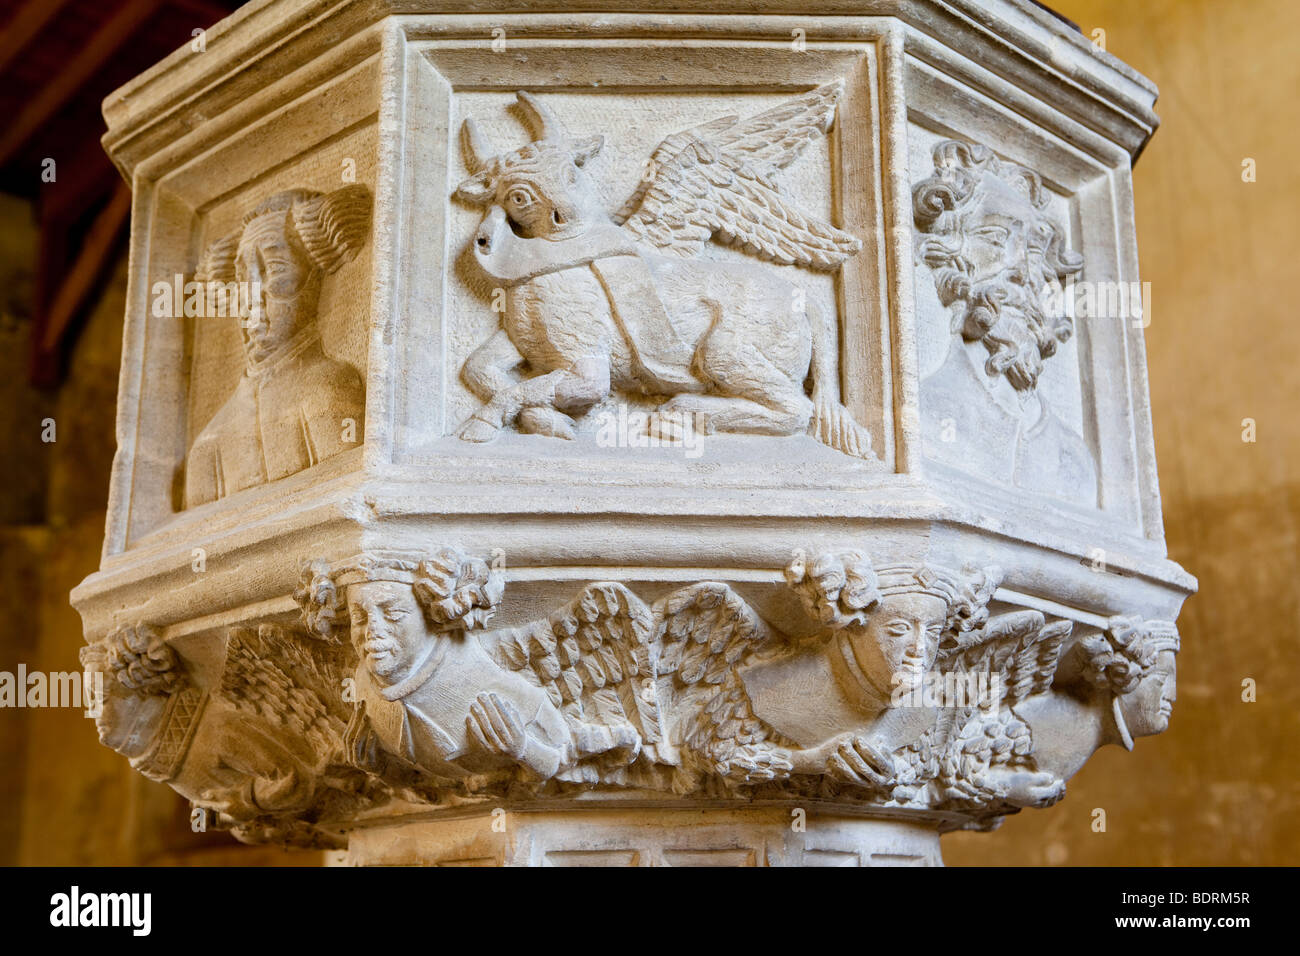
[[997, 255], [998, 262]]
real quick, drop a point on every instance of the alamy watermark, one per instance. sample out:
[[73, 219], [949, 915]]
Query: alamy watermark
[[623, 427], [25, 688], [208, 299], [1100, 300], [75, 908], [948, 689]]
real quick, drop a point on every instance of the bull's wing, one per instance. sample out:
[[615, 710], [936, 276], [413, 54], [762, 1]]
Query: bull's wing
[[717, 180], [1020, 648]]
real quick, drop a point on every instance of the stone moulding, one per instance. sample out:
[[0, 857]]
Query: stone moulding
[[509, 505]]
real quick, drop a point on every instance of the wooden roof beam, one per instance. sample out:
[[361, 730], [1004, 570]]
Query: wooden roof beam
[[106, 41]]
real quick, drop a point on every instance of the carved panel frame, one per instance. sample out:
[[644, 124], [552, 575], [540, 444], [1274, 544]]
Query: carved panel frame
[[864, 139], [1094, 176]]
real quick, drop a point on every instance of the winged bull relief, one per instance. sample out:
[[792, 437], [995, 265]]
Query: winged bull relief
[[597, 304]]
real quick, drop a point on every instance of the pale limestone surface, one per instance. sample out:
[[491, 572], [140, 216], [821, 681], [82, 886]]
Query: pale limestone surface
[[633, 419]]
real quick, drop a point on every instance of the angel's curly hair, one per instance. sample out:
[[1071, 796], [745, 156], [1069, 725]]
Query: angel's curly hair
[[454, 591], [457, 592], [324, 612], [842, 588], [838, 588]]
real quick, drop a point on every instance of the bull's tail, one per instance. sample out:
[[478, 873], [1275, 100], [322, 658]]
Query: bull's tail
[[832, 424]]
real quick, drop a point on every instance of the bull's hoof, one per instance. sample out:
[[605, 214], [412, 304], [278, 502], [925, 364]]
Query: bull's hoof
[[477, 430], [671, 426], [547, 421]]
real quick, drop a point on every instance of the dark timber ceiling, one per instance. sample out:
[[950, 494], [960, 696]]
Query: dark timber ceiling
[[59, 59]]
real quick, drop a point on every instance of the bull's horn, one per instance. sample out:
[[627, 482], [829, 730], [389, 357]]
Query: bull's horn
[[477, 149], [548, 125]]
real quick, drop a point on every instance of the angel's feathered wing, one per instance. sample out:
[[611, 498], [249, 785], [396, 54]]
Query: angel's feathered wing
[[1019, 648], [289, 681], [1019, 652], [717, 180], [705, 631], [592, 657]]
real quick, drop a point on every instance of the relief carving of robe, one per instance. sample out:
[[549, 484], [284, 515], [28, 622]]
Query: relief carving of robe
[[286, 414]]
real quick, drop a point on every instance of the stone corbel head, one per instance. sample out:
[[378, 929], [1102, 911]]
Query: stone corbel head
[[149, 708], [140, 673], [278, 256], [1134, 660], [996, 255], [397, 606]]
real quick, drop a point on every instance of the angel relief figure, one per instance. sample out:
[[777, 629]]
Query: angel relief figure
[[753, 705], [598, 303], [697, 691], [558, 698]]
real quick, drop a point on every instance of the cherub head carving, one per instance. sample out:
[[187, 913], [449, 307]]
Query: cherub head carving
[[397, 606], [888, 621], [1135, 660], [286, 243], [995, 252]]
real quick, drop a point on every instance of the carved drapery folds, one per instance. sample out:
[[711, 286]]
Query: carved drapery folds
[[395, 683]]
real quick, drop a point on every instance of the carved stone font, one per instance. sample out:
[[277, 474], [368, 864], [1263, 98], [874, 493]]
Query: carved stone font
[[640, 441]]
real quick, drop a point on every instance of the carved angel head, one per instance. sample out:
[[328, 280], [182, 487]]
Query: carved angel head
[[995, 250], [890, 620], [899, 642], [540, 190], [286, 243], [141, 672], [397, 605], [1148, 708]]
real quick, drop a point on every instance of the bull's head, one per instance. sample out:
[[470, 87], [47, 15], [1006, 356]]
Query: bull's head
[[540, 191]]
